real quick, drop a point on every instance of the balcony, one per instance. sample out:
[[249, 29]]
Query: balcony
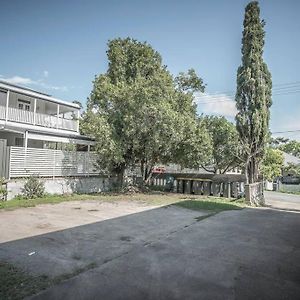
[[37, 119]]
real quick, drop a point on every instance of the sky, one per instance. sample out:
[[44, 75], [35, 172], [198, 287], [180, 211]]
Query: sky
[[59, 46]]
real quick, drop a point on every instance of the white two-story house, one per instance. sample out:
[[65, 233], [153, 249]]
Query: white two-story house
[[39, 135]]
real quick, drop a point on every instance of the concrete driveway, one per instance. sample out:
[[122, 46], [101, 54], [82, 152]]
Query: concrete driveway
[[282, 201], [169, 253]]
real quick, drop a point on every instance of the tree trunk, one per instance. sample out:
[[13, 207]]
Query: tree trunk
[[252, 170], [148, 175], [120, 175]]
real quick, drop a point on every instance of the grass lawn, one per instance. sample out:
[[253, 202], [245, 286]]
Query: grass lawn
[[212, 204], [155, 198], [16, 284]]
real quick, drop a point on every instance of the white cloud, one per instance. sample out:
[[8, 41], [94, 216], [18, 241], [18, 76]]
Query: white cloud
[[216, 104], [52, 87], [39, 83], [19, 80]]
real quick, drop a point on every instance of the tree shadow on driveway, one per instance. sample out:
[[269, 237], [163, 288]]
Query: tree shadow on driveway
[[166, 253]]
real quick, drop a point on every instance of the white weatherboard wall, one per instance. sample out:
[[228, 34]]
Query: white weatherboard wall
[[84, 185], [48, 163]]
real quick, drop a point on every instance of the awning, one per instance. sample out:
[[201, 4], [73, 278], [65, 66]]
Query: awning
[[79, 140], [49, 137]]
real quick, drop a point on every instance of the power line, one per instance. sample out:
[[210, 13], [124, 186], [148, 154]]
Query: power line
[[276, 93], [217, 100], [282, 89], [274, 87], [287, 131], [216, 97]]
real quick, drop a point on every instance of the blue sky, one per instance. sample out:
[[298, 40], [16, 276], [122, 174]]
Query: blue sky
[[59, 46]]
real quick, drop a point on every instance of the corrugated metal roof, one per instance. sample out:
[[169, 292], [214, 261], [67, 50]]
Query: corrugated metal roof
[[288, 158]]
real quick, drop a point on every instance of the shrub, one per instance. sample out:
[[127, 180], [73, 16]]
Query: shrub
[[33, 188], [3, 191]]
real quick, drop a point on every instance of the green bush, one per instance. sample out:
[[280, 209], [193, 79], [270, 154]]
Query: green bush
[[3, 191], [33, 188]]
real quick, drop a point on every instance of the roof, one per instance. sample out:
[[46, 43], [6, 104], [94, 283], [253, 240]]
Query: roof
[[290, 159], [68, 135], [35, 94], [56, 137]]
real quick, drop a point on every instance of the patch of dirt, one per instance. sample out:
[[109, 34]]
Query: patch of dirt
[[43, 226]]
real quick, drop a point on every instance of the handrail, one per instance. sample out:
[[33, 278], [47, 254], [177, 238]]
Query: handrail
[[39, 119]]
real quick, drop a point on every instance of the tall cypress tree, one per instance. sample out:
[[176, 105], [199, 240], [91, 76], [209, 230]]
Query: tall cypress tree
[[253, 95]]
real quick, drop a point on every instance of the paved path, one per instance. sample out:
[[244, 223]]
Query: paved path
[[170, 253], [282, 200]]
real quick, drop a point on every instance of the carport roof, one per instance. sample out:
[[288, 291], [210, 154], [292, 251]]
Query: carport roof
[[55, 137]]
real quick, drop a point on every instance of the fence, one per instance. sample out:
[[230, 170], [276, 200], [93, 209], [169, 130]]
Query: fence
[[50, 163], [198, 186], [254, 193], [44, 120]]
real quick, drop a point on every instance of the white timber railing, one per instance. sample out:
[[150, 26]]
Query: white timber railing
[[51, 163], [44, 120], [2, 112]]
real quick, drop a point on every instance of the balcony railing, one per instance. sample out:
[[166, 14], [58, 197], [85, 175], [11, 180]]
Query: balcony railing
[[38, 119]]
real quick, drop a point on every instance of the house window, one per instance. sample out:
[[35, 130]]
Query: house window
[[24, 105], [19, 142]]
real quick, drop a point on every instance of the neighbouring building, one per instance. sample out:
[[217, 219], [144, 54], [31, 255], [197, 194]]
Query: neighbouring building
[[39, 135]]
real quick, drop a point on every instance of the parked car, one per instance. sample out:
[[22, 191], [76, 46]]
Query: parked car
[[159, 170]]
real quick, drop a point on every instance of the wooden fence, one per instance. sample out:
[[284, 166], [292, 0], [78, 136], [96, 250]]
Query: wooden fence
[[50, 163]]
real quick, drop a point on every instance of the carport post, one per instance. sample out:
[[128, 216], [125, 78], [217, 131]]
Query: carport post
[[228, 190], [34, 112], [78, 116], [25, 147], [57, 116], [88, 165]]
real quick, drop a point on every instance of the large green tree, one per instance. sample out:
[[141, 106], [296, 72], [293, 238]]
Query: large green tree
[[291, 147], [225, 144], [137, 111], [194, 148], [253, 95], [272, 163]]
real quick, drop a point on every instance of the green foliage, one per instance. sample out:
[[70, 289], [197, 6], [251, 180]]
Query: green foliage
[[33, 188], [253, 95], [292, 169], [225, 144], [291, 147], [3, 191], [189, 82], [194, 148], [274, 142], [137, 112], [272, 164]]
